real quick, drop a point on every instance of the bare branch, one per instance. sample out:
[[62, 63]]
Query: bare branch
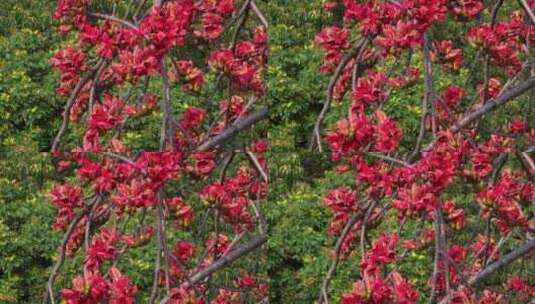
[[259, 14], [506, 260], [233, 130], [257, 165], [114, 19], [494, 104], [225, 260], [528, 10]]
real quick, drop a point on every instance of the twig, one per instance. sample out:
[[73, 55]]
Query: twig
[[327, 104], [168, 127], [259, 14], [114, 19], [70, 103], [323, 296], [256, 165], [428, 81], [388, 158], [506, 260], [528, 10], [242, 15], [363, 229], [49, 295]]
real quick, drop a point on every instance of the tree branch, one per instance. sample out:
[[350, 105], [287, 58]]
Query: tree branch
[[233, 130], [494, 104]]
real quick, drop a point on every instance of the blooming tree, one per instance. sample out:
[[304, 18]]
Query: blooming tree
[[458, 147], [121, 66], [460, 191]]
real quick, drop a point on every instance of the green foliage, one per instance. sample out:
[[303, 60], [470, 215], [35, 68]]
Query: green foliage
[[27, 242], [27, 87]]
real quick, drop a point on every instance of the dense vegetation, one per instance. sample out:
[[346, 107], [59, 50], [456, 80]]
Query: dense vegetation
[[299, 250]]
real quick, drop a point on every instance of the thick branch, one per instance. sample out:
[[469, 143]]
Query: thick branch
[[225, 260], [233, 130], [494, 104], [506, 260]]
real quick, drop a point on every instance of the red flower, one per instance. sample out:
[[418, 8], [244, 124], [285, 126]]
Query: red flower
[[202, 164], [218, 243], [247, 282], [182, 295], [388, 134], [181, 211], [447, 54], [109, 115], [404, 293], [136, 63], [482, 36], [259, 147], [490, 297], [66, 196], [193, 76], [183, 251], [221, 60], [102, 249], [135, 194], [333, 40], [467, 9], [245, 49], [369, 89], [383, 252], [192, 118], [92, 288], [214, 194], [342, 200], [69, 62], [518, 126], [69, 11], [455, 217], [212, 27], [457, 253], [122, 291], [453, 95]]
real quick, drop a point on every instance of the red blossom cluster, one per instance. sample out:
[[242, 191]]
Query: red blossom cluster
[[448, 55], [94, 288], [234, 196], [70, 63], [122, 184], [243, 62], [375, 289], [193, 76], [502, 41], [65, 198], [332, 39], [419, 183]]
